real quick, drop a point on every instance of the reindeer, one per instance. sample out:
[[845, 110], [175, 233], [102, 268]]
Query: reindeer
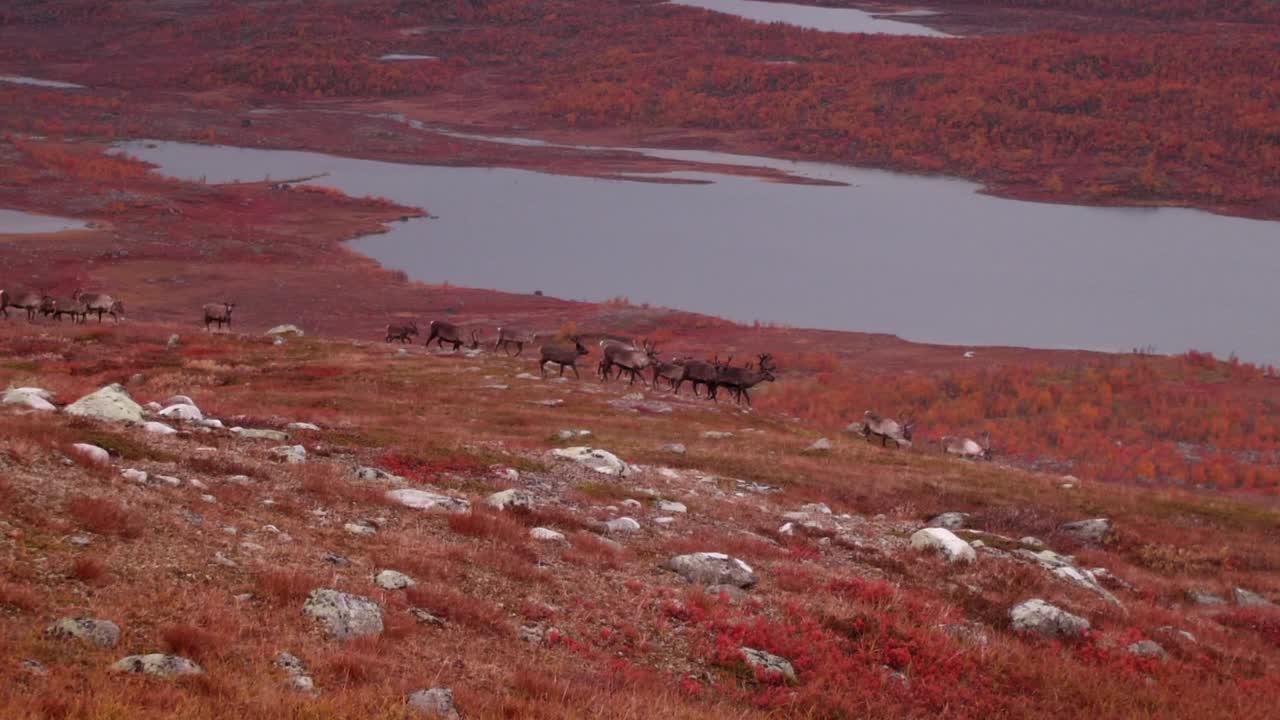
[[741, 380], [100, 303], [511, 336], [218, 313], [4, 303], [875, 425], [27, 300], [56, 307], [966, 448], [446, 332], [606, 365], [401, 332], [673, 372], [699, 372], [562, 355], [628, 359]]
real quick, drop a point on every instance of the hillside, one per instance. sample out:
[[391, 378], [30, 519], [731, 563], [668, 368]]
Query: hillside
[[207, 543]]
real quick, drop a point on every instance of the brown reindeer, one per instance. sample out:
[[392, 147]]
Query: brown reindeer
[[100, 303], [4, 303], [628, 358], [878, 426], [401, 332], [562, 355], [446, 332], [511, 336], [218, 313], [28, 300], [701, 372], [740, 380], [56, 307], [673, 372], [966, 448]]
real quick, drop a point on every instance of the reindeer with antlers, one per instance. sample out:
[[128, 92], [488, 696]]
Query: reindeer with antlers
[[446, 332], [401, 331], [740, 380], [627, 358], [875, 425]]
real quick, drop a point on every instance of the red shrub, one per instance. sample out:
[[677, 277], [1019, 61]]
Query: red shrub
[[588, 549], [458, 607], [89, 570], [1263, 621], [285, 587], [191, 641], [105, 516], [485, 523], [18, 598]]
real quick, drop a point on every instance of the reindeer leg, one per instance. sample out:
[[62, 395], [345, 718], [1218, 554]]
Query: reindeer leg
[[574, 368]]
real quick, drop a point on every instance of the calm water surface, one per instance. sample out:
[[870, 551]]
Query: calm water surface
[[929, 259], [16, 221], [844, 20]]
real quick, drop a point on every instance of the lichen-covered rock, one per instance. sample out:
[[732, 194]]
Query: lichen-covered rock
[[393, 580], [257, 434], [602, 461], [289, 454], [158, 428], [342, 614], [712, 568], [819, 445], [305, 426], [768, 665], [949, 520], [285, 330], [1249, 598], [32, 398], [111, 404], [1146, 648], [183, 411], [435, 703], [1039, 617], [419, 499], [621, 526], [102, 633], [943, 541], [546, 535], [158, 664], [671, 506], [1087, 531], [1202, 597], [512, 499], [92, 453]]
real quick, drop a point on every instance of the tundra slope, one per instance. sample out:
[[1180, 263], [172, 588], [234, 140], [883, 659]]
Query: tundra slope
[[585, 623]]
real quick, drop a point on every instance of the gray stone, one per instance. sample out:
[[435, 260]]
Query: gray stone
[[571, 434], [511, 499], [435, 703], [1248, 598], [285, 330], [769, 665], [102, 633], [158, 664], [671, 506], [393, 580], [92, 453], [256, 434], [819, 445], [950, 520], [621, 526], [1147, 648], [373, 473], [173, 342], [546, 535], [342, 614], [1202, 597], [311, 427], [602, 461], [943, 541], [31, 398], [183, 411], [1039, 617], [1087, 531], [111, 404], [360, 527], [677, 448], [717, 435], [33, 667], [419, 499], [158, 428], [290, 454], [179, 400], [133, 475], [1085, 579], [212, 424], [291, 664], [711, 568]]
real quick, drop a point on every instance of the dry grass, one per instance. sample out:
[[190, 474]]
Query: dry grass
[[105, 516]]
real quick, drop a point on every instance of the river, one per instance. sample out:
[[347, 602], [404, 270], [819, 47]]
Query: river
[[843, 20]]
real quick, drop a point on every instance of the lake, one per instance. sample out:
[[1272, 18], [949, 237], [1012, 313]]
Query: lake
[[843, 20], [17, 221], [927, 258]]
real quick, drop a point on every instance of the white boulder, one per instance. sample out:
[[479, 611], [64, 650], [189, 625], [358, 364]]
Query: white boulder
[[944, 541], [112, 404]]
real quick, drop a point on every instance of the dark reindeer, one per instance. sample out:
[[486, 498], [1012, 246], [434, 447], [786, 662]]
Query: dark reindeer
[[673, 372], [56, 307], [446, 332], [562, 355], [28, 300], [875, 425], [511, 336], [401, 332], [100, 303], [740, 380], [218, 313], [4, 304], [700, 372]]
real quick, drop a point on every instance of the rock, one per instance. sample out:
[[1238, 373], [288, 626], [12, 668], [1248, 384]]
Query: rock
[[158, 428], [1031, 541], [312, 427], [815, 509], [1085, 579], [1146, 648], [285, 330], [571, 434], [360, 528], [301, 683], [153, 406], [291, 664], [426, 500], [949, 520], [1038, 616], [602, 461], [1087, 531], [173, 342], [733, 593], [254, 434], [183, 411], [717, 435], [819, 445], [211, 423], [942, 540], [511, 499], [677, 448], [137, 476], [169, 480], [393, 580], [426, 617], [102, 633], [549, 402], [546, 535], [80, 540], [435, 703], [671, 506], [1248, 598], [1201, 597], [31, 398], [632, 503], [158, 664], [33, 667], [711, 568], [278, 341], [664, 520], [180, 400], [342, 614], [92, 453], [290, 454], [769, 665], [372, 473], [641, 405], [112, 404], [1179, 632], [621, 526]]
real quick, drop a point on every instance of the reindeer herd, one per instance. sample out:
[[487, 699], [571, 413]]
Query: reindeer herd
[[78, 307]]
